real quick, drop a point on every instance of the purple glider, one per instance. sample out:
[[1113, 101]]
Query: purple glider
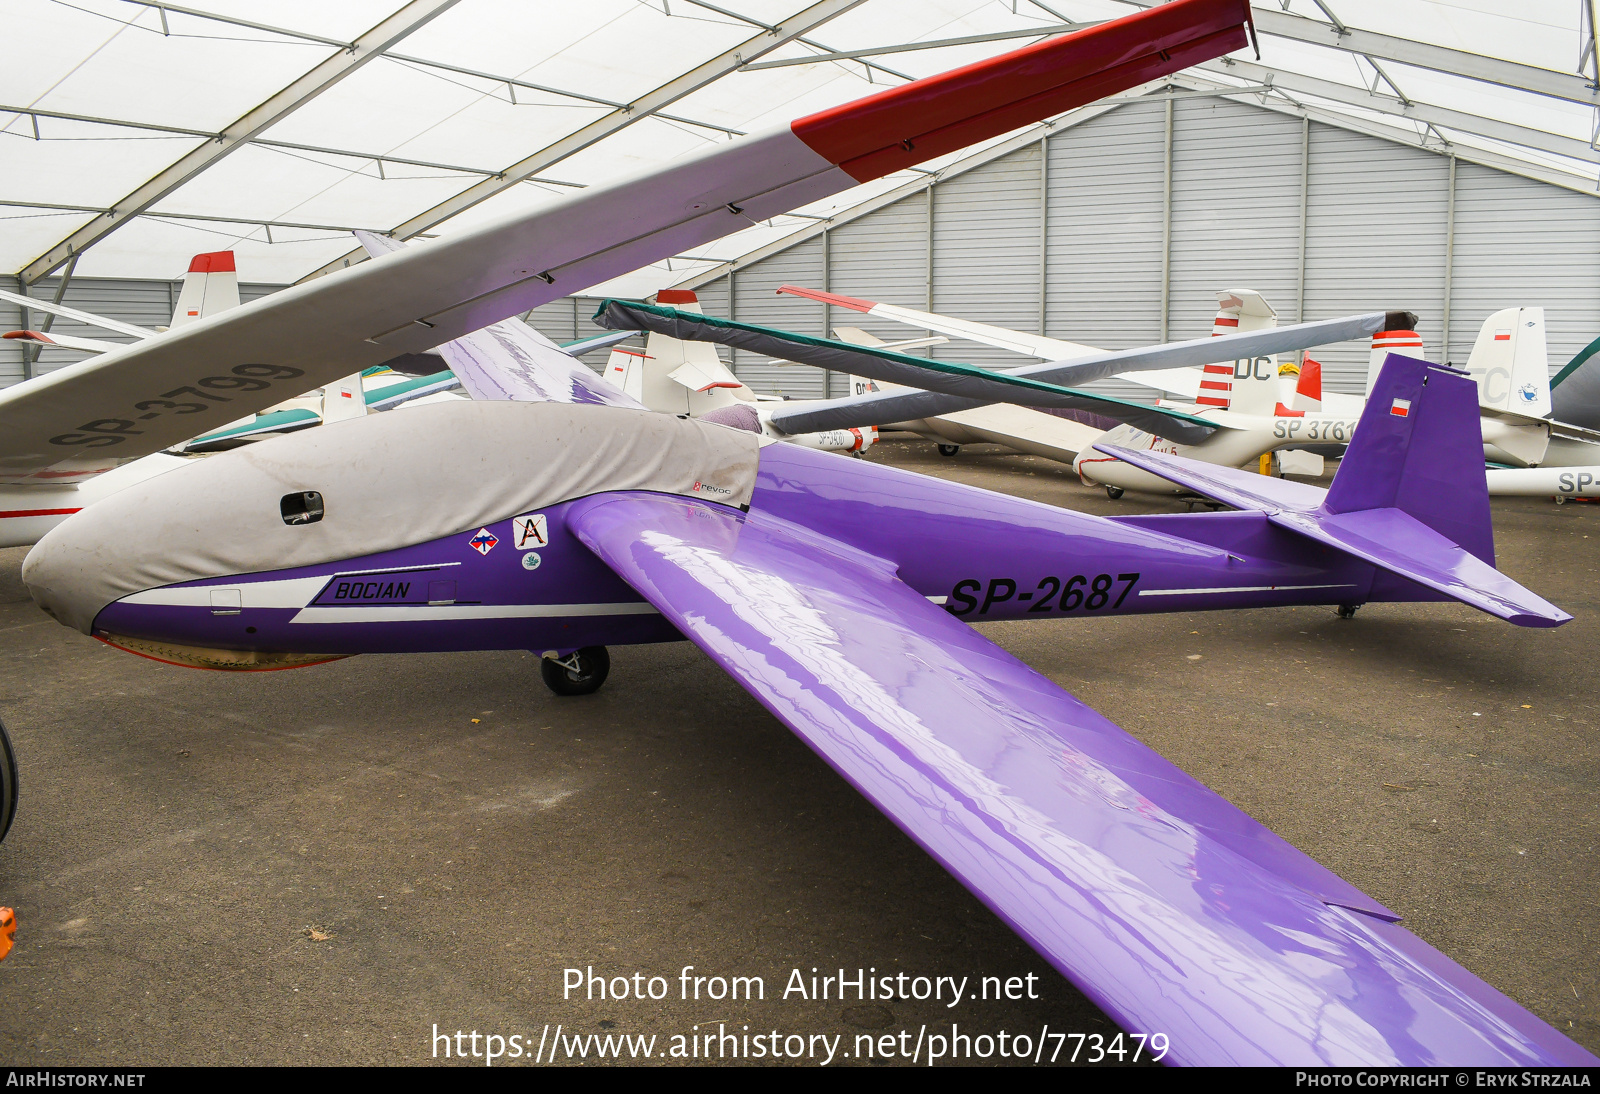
[[838, 593]]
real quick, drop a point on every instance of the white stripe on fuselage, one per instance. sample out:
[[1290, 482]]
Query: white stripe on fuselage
[[1239, 589], [289, 592], [401, 613], [294, 592]]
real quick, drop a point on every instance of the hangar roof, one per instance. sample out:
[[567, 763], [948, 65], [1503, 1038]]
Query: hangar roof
[[136, 133]]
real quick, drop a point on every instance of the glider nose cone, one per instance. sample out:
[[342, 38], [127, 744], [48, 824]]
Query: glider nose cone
[[149, 535], [55, 573]]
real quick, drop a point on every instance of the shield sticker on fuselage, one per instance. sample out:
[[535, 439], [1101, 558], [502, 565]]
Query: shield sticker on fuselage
[[531, 532]]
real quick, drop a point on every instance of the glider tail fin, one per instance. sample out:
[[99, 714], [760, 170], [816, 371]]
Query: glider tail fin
[[1418, 448], [1250, 385], [210, 286], [1410, 497], [343, 400], [685, 377], [1509, 362]]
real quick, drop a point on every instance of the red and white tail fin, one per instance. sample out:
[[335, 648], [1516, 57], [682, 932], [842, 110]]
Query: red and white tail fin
[[1308, 388], [1247, 386], [1508, 362], [210, 286], [1401, 338]]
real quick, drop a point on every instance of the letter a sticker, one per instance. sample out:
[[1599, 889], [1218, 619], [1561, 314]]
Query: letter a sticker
[[530, 532]]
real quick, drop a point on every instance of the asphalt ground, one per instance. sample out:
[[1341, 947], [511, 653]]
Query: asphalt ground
[[328, 865]]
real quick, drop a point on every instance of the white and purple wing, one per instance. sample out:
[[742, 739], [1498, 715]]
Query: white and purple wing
[[1173, 910]]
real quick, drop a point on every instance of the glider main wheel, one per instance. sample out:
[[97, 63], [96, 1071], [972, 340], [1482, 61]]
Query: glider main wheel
[[8, 782], [949, 449], [1348, 611], [1560, 499], [1114, 492], [580, 673]]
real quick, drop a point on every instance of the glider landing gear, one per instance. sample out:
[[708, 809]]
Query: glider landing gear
[[949, 449], [1114, 492], [1348, 611], [8, 782], [579, 673]]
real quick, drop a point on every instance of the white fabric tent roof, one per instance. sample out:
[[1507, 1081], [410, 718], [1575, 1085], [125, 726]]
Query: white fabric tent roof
[[458, 100]]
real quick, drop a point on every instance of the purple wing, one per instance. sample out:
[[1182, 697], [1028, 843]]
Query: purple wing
[[1173, 910]]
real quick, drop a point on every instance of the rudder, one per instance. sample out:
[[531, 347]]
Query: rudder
[[1418, 448]]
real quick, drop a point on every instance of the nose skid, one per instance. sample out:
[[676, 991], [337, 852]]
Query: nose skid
[[201, 657]]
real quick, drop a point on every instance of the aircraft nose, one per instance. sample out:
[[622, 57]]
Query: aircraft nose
[[151, 534], [58, 573], [370, 485]]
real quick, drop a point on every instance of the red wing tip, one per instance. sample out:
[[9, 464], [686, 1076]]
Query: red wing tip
[[851, 302], [26, 335], [676, 296], [214, 262]]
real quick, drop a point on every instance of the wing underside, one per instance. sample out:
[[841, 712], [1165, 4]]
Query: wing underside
[[1173, 910]]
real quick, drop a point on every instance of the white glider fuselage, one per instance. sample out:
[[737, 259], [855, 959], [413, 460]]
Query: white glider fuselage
[[1243, 438]]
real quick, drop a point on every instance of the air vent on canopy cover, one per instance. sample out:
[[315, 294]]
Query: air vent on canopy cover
[[304, 507]]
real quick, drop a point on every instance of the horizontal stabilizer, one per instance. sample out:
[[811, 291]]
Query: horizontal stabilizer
[[1229, 485], [1386, 537]]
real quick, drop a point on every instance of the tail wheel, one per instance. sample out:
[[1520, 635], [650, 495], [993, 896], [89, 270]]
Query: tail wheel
[[1348, 611], [8, 782], [1113, 492], [580, 673], [949, 449]]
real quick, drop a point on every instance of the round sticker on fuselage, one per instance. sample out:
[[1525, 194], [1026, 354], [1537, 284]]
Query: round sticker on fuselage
[[530, 561]]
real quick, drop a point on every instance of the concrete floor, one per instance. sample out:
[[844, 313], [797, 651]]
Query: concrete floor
[[320, 866]]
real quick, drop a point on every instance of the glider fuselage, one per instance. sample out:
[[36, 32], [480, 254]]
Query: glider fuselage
[[526, 584]]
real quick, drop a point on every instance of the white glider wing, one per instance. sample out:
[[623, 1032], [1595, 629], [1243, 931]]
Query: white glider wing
[[145, 397]]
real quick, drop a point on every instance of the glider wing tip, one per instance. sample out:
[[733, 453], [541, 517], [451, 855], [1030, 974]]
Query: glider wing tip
[[852, 302]]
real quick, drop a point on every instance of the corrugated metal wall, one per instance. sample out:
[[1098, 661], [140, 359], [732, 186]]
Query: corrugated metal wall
[[1072, 234], [1376, 230], [1375, 240], [986, 239], [1105, 228], [1235, 210], [1518, 244]]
